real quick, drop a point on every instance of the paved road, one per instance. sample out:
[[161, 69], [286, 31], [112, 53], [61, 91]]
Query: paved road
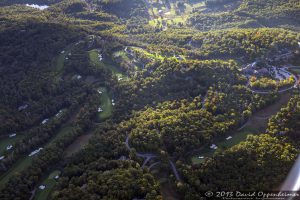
[[142, 155], [149, 156], [152, 165], [175, 170], [243, 126], [279, 91]]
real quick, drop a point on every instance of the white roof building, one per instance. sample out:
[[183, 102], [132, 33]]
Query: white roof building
[[9, 147], [229, 138], [59, 112], [35, 152], [100, 57], [42, 187], [45, 121], [12, 135], [22, 107]]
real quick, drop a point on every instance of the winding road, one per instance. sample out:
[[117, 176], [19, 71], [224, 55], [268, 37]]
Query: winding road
[[279, 91], [149, 156]]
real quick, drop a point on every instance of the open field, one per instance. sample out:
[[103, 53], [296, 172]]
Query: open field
[[78, 144], [60, 60], [94, 59], [49, 184], [256, 124], [158, 56], [22, 164], [105, 104], [26, 161], [5, 141], [170, 14]]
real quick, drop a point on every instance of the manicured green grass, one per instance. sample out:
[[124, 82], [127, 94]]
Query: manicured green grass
[[121, 54], [49, 183], [157, 55], [94, 59], [16, 168], [105, 104], [26, 161], [64, 130], [224, 144], [255, 125], [4, 142], [78, 144], [171, 16], [60, 60]]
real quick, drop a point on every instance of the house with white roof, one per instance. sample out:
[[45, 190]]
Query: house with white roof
[[9, 147], [45, 121], [229, 138], [35, 152], [42, 187], [12, 135]]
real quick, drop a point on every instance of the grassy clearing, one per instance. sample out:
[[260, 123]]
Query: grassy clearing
[[173, 16], [224, 144], [105, 104], [121, 54], [94, 59], [4, 142], [22, 164], [157, 56], [60, 60], [64, 130], [256, 125], [26, 161], [78, 144], [49, 183]]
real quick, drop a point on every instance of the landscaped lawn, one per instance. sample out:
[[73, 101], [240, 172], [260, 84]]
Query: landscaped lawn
[[26, 161], [224, 144], [16, 168], [5, 141], [256, 125], [60, 60], [105, 104], [94, 59], [49, 184]]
